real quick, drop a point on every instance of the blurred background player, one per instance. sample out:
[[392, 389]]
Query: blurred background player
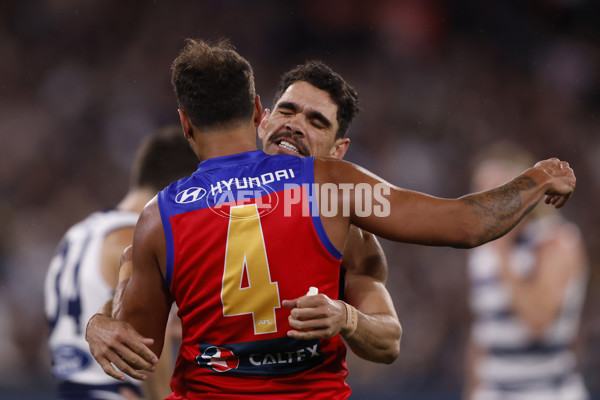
[[83, 273], [527, 292]]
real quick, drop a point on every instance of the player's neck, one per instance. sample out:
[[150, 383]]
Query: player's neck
[[225, 142], [135, 200]]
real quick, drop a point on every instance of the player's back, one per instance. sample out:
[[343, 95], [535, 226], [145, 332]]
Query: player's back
[[241, 238], [74, 291]]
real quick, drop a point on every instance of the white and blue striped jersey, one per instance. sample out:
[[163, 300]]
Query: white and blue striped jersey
[[74, 291], [517, 365]]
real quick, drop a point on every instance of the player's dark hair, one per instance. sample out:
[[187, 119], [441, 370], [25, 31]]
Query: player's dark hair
[[214, 85], [163, 158], [322, 77]]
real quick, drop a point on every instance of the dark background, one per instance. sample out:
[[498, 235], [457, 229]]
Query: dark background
[[81, 82]]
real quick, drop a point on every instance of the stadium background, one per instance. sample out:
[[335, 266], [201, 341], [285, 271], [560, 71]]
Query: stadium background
[[82, 82]]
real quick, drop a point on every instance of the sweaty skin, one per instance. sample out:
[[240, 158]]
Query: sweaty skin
[[417, 218], [378, 334], [413, 217]]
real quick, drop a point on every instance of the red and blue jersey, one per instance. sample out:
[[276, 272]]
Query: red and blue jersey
[[243, 233]]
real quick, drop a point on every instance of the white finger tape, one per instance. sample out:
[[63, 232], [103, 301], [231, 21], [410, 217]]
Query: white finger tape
[[312, 291]]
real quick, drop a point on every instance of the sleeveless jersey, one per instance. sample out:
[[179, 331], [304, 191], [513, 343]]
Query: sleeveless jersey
[[517, 366], [242, 235], [74, 291]]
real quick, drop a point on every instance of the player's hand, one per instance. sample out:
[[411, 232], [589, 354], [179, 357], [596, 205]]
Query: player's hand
[[116, 342], [315, 317], [562, 181]]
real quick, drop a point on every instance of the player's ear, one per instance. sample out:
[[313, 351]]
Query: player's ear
[[339, 148], [186, 124], [263, 123], [258, 110]]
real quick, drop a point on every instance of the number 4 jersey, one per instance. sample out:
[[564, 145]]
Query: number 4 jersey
[[242, 235]]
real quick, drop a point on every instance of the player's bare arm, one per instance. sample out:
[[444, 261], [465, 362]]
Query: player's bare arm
[[146, 302], [465, 222], [116, 342], [378, 333], [537, 300], [519, 196], [474, 353], [112, 250]]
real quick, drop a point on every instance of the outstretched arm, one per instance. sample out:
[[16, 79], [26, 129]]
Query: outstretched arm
[[413, 217]]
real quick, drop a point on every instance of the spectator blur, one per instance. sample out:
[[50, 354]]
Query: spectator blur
[[526, 295], [80, 83]]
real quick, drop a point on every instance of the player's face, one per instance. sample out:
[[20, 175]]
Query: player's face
[[303, 123]]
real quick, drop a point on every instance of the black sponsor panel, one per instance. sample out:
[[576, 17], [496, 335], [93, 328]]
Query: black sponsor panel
[[267, 357]]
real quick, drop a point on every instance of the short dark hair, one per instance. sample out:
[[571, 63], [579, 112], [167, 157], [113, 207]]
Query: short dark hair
[[322, 77], [162, 158], [214, 85]]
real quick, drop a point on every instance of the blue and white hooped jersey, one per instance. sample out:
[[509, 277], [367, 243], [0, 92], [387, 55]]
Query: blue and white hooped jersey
[[517, 365], [74, 291]]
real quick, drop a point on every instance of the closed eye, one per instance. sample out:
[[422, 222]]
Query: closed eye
[[286, 108], [319, 121]]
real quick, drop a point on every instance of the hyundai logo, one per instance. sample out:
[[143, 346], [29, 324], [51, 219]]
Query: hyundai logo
[[190, 195]]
